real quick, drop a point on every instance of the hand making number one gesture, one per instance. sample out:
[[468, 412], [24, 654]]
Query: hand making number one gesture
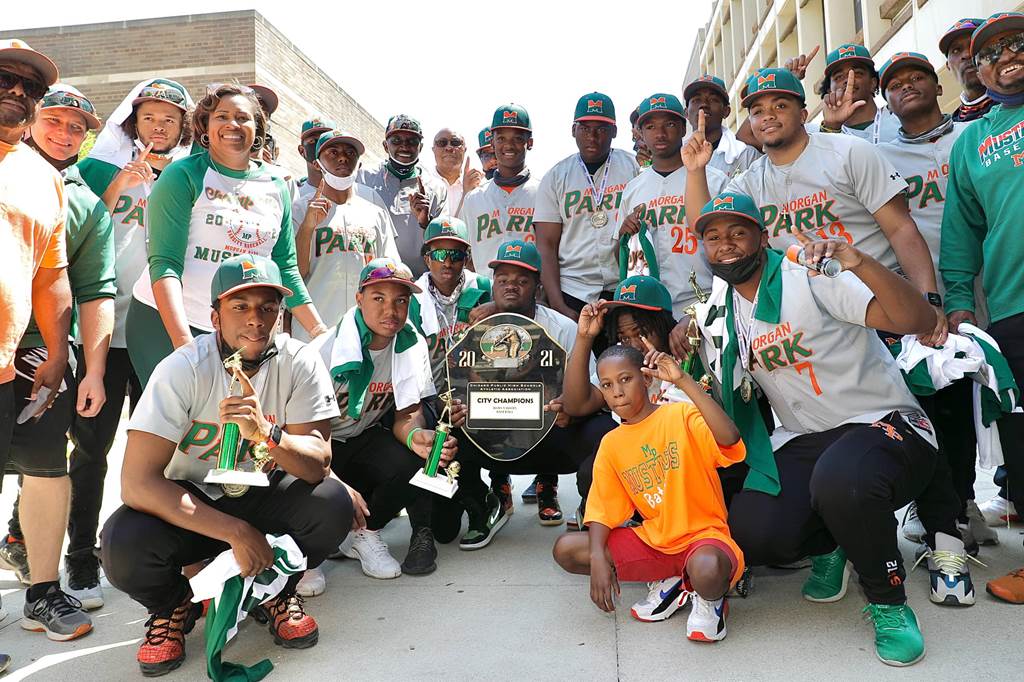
[[697, 151], [419, 204], [840, 106]]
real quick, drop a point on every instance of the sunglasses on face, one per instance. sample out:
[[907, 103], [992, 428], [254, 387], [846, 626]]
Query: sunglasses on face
[[993, 52], [33, 88], [444, 142], [441, 255]]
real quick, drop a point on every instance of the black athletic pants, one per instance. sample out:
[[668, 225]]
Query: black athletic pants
[[142, 555], [841, 487], [379, 467], [92, 438], [1009, 334], [951, 411]]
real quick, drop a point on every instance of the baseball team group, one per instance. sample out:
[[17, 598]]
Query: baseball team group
[[775, 338]]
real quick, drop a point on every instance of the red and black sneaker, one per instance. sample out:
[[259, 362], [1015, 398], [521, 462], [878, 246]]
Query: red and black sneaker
[[548, 510], [288, 621], [163, 648], [503, 491]]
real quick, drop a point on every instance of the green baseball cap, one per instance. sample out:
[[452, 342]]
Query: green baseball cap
[[661, 101], [729, 203], [316, 126], [962, 27], [245, 272], [641, 291], [332, 137], [773, 81], [511, 116], [163, 90], [403, 123], [995, 24], [846, 55], [64, 96], [708, 82], [900, 60], [595, 106], [485, 139], [387, 270], [446, 228], [518, 252]]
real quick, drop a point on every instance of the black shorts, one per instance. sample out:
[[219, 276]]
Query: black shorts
[[39, 447]]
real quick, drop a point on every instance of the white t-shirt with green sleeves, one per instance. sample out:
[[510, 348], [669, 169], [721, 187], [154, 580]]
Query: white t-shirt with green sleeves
[[200, 214]]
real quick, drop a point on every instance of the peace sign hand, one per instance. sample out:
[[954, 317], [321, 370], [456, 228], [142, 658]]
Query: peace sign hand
[[839, 249], [697, 151], [840, 106], [661, 366], [798, 65], [419, 204]]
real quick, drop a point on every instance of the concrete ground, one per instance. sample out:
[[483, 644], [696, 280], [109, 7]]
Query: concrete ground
[[508, 612]]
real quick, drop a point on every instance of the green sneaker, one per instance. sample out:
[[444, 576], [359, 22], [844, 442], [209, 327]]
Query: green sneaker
[[898, 639], [829, 577], [484, 524]]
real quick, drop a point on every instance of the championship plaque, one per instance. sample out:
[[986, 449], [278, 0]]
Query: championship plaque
[[505, 369]]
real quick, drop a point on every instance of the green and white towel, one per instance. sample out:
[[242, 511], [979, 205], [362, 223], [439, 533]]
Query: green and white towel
[[973, 354], [351, 363], [233, 597], [716, 319]]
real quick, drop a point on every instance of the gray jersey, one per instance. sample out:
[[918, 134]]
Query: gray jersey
[[352, 234], [396, 193], [586, 251], [832, 190], [820, 367], [678, 250], [732, 156], [181, 402], [495, 216], [925, 167]]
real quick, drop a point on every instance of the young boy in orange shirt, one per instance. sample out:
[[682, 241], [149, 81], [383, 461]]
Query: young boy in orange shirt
[[661, 462]]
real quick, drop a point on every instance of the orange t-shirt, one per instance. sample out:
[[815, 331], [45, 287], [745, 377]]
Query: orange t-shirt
[[664, 467], [32, 214]]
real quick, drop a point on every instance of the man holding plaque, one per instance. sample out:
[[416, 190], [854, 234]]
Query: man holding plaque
[[171, 518], [569, 442], [578, 209], [381, 370]]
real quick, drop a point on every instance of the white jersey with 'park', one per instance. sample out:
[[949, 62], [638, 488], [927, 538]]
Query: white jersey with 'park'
[[495, 216]]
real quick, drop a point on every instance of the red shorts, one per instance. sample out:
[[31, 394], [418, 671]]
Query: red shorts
[[636, 561]]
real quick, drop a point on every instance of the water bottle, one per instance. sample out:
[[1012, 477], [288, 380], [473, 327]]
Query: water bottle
[[830, 267]]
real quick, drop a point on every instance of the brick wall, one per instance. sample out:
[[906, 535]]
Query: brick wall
[[105, 60]]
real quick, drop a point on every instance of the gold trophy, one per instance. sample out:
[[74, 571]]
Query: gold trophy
[[693, 329], [229, 473]]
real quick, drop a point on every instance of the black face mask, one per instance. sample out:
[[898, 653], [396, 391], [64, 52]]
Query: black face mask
[[738, 271]]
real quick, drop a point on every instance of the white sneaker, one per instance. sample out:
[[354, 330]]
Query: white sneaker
[[979, 528], [707, 619], [950, 576], [91, 597], [913, 529], [313, 583], [372, 552], [998, 511], [665, 598]]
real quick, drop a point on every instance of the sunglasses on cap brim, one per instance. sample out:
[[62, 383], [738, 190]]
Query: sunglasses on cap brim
[[166, 94]]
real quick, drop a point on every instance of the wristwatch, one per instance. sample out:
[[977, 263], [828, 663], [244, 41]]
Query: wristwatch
[[274, 439], [934, 299]]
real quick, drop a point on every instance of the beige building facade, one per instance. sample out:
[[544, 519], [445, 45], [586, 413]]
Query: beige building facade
[[105, 60], [744, 35]]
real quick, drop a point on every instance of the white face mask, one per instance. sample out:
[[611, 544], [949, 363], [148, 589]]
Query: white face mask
[[336, 181]]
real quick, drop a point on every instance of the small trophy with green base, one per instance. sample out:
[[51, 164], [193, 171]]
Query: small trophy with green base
[[228, 474], [428, 477]]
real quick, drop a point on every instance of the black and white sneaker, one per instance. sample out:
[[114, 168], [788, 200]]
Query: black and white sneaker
[[665, 598], [484, 523], [422, 556]]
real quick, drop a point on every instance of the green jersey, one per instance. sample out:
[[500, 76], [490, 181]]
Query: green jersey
[[981, 223], [90, 244]]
